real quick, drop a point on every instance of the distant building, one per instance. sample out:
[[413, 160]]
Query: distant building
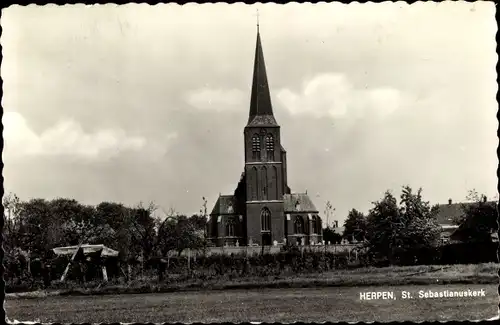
[[336, 229], [262, 209], [448, 218]]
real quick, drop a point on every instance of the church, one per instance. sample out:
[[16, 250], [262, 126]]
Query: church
[[262, 210]]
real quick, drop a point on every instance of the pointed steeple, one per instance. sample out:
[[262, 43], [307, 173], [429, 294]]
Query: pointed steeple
[[261, 110]]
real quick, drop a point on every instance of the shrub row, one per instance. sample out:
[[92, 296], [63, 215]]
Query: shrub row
[[233, 266], [457, 253]]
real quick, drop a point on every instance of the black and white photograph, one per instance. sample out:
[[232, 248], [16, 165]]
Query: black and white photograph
[[221, 162]]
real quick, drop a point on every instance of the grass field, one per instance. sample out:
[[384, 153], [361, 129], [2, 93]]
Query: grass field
[[388, 276], [269, 305]]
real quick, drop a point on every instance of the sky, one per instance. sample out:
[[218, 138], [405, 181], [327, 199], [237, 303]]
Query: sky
[[136, 103]]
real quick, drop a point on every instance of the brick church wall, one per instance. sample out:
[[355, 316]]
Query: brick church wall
[[254, 223]]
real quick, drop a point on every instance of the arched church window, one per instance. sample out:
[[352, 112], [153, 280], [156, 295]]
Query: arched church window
[[265, 219], [256, 147], [270, 147], [319, 225], [230, 229], [299, 225], [315, 225]]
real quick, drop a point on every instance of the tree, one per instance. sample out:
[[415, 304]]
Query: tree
[[38, 229], [355, 226], [11, 205], [114, 217], [177, 232], [76, 223], [143, 228], [411, 225], [479, 219], [329, 235], [199, 221]]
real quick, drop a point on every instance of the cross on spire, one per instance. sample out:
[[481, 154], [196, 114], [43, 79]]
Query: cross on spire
[[257, 15]]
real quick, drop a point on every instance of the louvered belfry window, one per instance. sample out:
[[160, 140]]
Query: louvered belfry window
[[256, 147], [270, 147]]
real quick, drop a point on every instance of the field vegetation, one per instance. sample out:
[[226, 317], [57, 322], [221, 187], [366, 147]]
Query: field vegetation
[[392, 239], [484, 273]]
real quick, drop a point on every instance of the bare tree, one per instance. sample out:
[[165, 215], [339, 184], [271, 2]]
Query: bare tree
[[329, 209]]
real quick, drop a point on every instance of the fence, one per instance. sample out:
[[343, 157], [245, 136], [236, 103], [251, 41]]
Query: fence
[[255, 250]]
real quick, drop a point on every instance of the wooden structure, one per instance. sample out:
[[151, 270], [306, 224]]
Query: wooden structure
[[81, 252]]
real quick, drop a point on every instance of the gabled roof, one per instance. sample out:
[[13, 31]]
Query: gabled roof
[[87, 249], [260, 100], [305, 202], [452, 211], [448, 213], [339, 230], [222, 205]]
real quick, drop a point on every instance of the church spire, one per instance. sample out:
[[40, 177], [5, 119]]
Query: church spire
[[261, 110]]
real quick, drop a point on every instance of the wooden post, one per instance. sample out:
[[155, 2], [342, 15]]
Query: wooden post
[[104, 274], [63, 277], [29, 262]]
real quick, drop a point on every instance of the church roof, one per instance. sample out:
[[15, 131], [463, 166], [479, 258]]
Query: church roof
[[305, 202], [223, 204], [260, 100]]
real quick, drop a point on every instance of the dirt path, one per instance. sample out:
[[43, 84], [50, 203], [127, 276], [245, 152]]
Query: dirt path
[[270, 305]]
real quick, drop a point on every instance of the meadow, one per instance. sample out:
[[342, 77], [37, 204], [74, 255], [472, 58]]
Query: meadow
[[485, 273], [265, 305]]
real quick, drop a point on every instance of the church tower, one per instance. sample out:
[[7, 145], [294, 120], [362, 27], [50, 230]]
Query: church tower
[[265, 162], [262, 210]]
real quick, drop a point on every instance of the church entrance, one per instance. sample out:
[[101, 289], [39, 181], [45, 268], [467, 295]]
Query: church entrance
[[266, 239]]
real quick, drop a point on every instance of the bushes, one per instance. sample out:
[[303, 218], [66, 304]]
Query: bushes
[[457, 253], [288, 262], [238, 265], [469, 253]]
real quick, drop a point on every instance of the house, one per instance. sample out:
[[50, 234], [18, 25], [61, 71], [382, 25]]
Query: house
[[449, 217]]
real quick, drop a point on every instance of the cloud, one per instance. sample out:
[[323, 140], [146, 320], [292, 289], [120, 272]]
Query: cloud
[[331, 94], [215, 99], [66, 138], [391, 90]]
